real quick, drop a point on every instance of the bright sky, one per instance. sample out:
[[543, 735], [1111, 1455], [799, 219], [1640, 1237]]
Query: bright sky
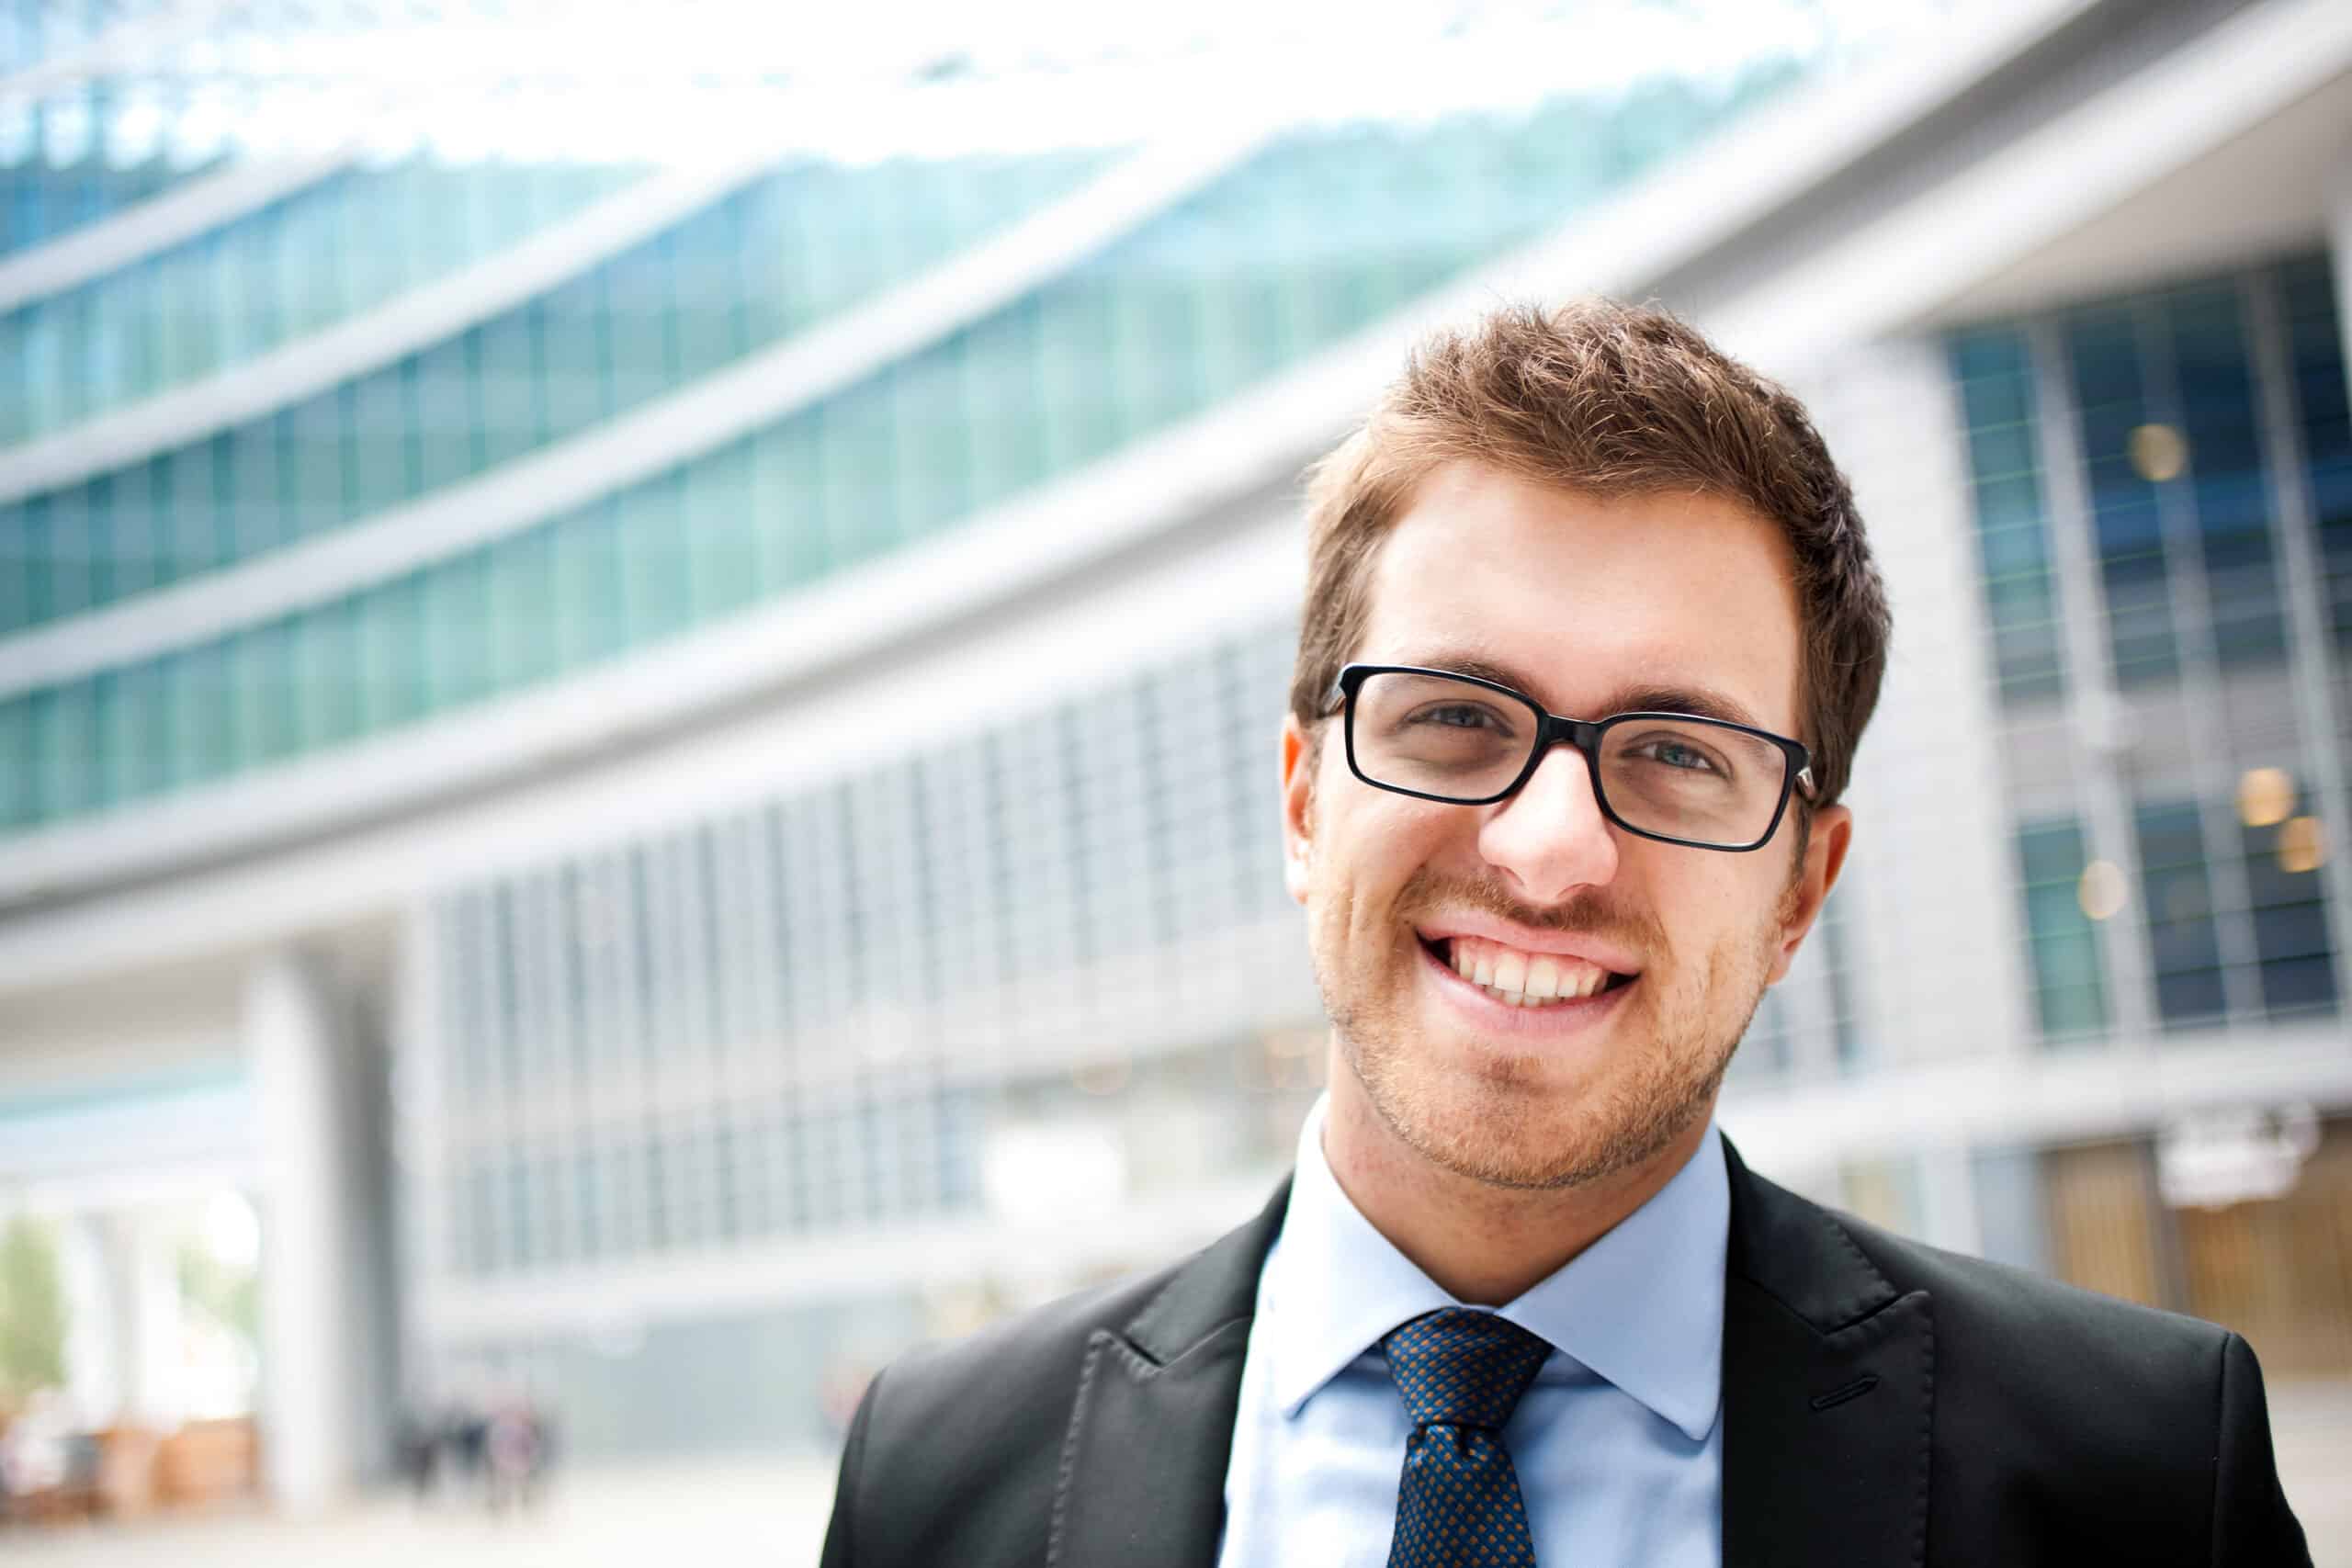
[[622, 80]]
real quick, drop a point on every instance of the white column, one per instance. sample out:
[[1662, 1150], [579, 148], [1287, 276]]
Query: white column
[[2339, 247], [1948, 1213], [144, 1290], [310, 1307], [94, 1380]]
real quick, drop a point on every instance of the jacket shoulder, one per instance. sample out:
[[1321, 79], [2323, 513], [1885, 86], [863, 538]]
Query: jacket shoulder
[[1029, 1357], [2063, 1425], [955, 1451]]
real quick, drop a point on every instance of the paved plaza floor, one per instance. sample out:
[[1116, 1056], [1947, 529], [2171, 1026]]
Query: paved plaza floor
[[771, 1512], [734, 1513]]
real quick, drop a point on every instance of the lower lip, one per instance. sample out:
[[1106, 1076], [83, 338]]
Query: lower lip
[[1494, 1017]]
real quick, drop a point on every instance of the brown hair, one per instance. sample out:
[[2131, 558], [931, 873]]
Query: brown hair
[[1610, 400]]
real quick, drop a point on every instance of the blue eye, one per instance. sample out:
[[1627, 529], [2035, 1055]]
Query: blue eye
[[1457, 715], [1677, 754]]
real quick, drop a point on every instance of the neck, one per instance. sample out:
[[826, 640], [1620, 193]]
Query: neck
[[1481, 1244]]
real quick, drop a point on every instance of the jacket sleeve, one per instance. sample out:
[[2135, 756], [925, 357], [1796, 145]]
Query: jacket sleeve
[[2251, 1524], [840, 1532]]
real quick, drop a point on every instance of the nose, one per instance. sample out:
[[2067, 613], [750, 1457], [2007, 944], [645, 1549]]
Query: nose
[[1551, 837]]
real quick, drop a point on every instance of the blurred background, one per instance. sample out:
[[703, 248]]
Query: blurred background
[[641, 651]]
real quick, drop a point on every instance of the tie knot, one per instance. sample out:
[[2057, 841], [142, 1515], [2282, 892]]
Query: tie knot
[[1461, 1368]]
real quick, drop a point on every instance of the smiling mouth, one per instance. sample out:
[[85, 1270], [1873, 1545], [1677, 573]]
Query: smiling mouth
[[1522, 979]]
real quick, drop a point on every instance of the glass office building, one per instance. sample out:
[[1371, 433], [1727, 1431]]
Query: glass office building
[[668, 762]]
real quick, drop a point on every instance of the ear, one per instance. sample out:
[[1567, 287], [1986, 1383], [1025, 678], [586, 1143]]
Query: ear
[[1299, 755], [1825, 857]]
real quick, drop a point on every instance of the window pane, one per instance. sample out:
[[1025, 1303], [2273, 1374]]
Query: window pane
[[2070, 993], [2183, 949]]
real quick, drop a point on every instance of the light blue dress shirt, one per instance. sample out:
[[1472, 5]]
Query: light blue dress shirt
[[1618, 1444]]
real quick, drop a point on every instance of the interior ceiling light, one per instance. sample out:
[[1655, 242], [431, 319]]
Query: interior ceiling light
[[2265, 796]]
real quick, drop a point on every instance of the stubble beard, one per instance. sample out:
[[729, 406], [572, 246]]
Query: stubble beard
[[1504, 1126]]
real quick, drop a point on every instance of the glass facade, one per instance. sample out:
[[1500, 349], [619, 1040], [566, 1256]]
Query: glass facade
[[2207, 416], [2324, 424], [2069, 984], [257, 284], [59, 169], [47, 201], [809, 1015], [751, 269], [1995, 375], [1200, 302]]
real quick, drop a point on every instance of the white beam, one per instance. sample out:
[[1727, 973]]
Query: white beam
[[804, 367], [133, 235], [327, 358]]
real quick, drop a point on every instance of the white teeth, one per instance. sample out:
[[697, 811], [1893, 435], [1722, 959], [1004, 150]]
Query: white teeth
[[1543, 979], [1510, 970], [1523, 980]]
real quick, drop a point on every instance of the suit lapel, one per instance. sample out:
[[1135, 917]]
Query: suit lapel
[[1828, 1378], [1828, 1406], [1142, 1477]]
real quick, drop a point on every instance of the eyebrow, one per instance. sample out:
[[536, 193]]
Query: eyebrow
[[1699, 702]]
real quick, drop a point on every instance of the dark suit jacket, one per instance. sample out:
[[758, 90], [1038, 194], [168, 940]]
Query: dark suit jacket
[[1883, 1402]]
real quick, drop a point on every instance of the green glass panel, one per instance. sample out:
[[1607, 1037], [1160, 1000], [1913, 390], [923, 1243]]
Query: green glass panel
[[190, 522], [116, 718], [522, 610], [16, 569], [2184, 948], [380, 442], [95, 545], [134, 550], [262, 514], [444, 398], [774, 505], [325, 660], [16, 370], [41, 557], [393, 656], [264, 678], [72, 551], [456, 626], [509, 394], [2069, 982], [19, 790], [594, 608], [65, 746], [656, 591], [133, 733], [704, 265], [571, 345], [721, 531]]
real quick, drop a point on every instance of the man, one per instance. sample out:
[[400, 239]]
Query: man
[[1591, 633]]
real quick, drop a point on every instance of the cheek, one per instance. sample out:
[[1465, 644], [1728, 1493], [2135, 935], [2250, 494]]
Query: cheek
[[1367, 849], [1701, 909]]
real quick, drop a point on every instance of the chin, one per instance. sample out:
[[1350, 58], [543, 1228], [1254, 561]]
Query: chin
[[1498, 1124]]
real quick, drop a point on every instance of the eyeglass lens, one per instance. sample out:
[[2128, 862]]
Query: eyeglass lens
[[1681, 778]]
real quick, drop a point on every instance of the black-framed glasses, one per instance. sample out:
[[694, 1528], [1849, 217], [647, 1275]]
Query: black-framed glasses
[[1671, 776]]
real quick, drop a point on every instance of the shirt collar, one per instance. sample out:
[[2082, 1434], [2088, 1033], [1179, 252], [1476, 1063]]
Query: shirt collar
[[1642, 1307]]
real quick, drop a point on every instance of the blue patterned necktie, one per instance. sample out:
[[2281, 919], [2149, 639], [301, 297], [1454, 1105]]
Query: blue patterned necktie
[[1461, 1373]]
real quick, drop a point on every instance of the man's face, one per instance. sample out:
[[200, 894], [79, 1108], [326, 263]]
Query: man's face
[[1590, 607]]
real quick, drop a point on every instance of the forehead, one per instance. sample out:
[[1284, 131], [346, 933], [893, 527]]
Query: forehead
[[1585, 597]]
